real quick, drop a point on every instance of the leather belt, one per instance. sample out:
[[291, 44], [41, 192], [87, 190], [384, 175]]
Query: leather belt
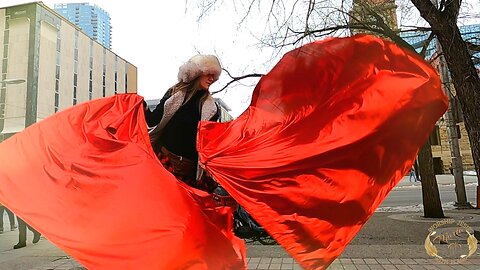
[[180, 165]]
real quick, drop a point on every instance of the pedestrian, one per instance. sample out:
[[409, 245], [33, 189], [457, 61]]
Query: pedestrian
[[177, 115], [22, 234], [11, 218], [417, 174], [413, 175]]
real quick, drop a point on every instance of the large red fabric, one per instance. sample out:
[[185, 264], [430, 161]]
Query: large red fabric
[[329, 132], [88, 180]]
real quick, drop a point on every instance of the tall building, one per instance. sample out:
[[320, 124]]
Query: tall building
[[470, 33], [92, 19], [58, 63]]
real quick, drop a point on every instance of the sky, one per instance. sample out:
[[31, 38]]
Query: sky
[[157, 38]]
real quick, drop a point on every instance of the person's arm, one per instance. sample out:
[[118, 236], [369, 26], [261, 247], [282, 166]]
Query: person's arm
[[153, 117], [217, 116]]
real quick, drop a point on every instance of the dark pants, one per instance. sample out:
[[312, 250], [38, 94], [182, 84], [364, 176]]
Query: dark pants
[[11, 216], [22, 231]]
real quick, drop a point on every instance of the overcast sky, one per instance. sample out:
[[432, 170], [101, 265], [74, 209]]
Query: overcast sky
[[158, 36]]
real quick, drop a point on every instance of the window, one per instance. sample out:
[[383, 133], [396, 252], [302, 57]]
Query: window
[[57, 97], [74, 95], [57, 72], [435, 136]]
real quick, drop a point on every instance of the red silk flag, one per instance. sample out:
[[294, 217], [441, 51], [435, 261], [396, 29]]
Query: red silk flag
[[329, 132], [88, 180]]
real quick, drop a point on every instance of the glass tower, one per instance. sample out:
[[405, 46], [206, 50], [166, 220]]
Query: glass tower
[[470, 33], [92, 19]]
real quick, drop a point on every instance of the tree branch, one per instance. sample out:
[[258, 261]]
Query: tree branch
[[452, 9], [428, 11], [236, 79]]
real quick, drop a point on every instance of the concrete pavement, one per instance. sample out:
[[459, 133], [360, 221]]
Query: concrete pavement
[[387, 241], [45, 256]]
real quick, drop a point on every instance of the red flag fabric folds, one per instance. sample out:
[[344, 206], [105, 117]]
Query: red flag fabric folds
[[88, 180], [329, 132]]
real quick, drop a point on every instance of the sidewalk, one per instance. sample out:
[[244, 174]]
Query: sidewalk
[[44, 256], [442, 180], [389, 240]]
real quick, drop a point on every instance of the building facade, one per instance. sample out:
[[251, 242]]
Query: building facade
[[470, 33], [91, 19], [362, 11], [439, 138], [60, 64]]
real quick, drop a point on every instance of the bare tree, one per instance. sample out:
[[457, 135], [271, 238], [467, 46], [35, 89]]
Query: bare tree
[[443, 20]]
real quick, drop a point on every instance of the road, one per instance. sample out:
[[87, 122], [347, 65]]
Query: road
[[411, 194]]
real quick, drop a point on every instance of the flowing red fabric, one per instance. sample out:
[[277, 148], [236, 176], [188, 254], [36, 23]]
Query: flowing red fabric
[[88, 180], [329, 132]]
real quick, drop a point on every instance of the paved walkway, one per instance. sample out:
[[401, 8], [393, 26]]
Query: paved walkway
[[372, 264], [387, 241], [265, 263], [45, 256]]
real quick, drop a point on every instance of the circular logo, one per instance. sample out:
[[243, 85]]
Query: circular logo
[[450, 241]]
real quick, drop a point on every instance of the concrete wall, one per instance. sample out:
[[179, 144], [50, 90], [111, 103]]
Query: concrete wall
[[443, 150]]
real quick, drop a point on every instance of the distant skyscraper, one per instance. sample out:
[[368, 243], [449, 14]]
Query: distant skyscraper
[[470, 33], [92, 19]]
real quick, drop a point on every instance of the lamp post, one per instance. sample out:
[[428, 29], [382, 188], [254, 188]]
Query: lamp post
[[457, 164]]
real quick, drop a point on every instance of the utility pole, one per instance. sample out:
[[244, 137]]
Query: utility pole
[[457, 164]]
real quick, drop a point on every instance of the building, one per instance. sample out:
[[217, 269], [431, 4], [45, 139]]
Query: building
[[59, 64], [364, 12], [470, 33], [225, 116], [91, 19], [439, 138]]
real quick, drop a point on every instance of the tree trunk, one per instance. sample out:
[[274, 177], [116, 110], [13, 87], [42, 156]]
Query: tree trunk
[[432, 206], [467, 85], [464, 74]]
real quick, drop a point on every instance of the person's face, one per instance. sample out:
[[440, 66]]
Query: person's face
[[206, 80]]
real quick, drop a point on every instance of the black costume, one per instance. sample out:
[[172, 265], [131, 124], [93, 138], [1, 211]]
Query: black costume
[[179, 135]]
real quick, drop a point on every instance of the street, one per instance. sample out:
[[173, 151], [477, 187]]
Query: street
[[409, 194]]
